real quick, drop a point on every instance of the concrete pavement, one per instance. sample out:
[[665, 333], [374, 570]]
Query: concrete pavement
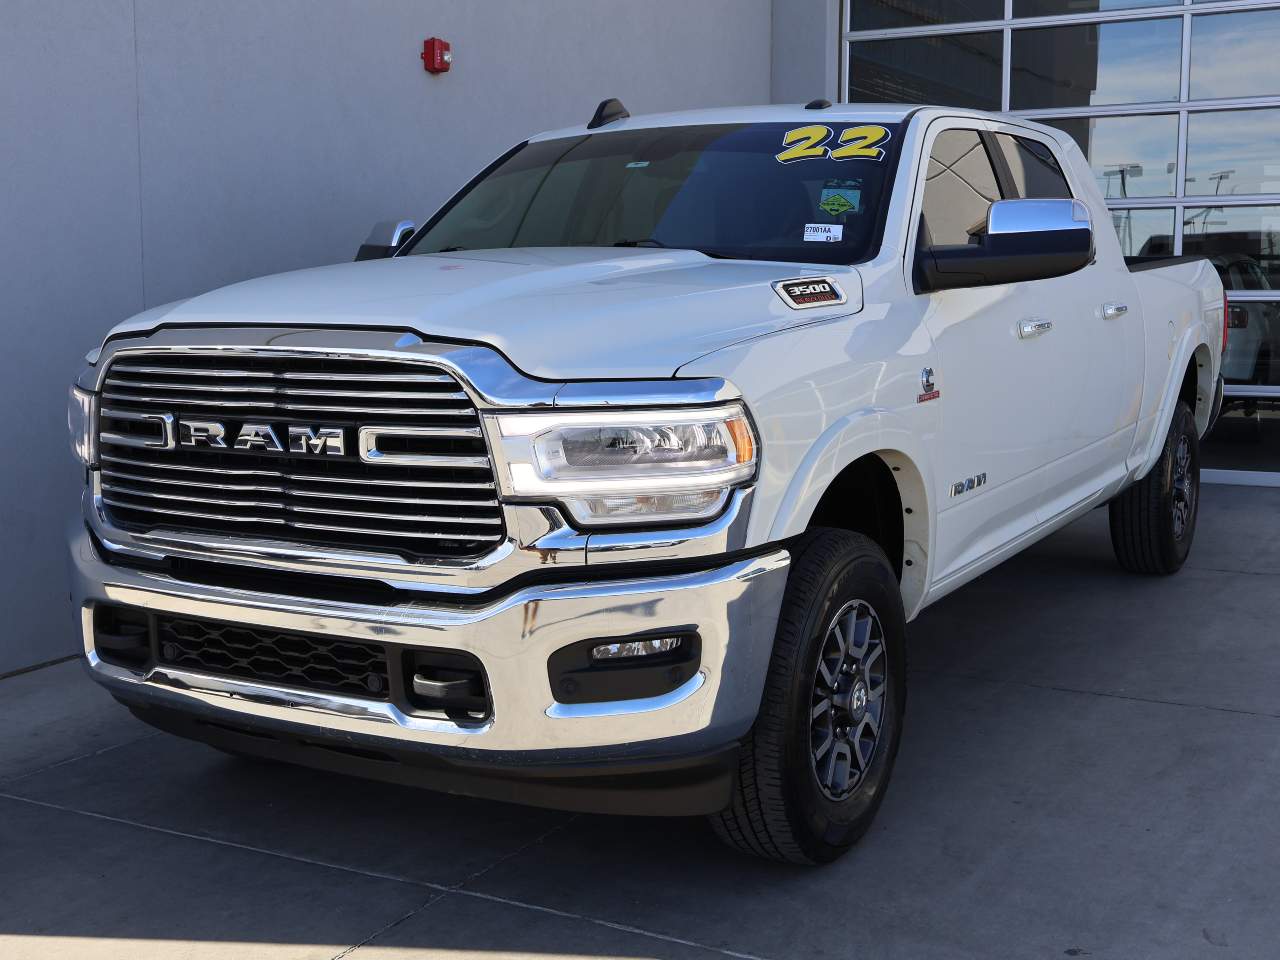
[[1090, 769]]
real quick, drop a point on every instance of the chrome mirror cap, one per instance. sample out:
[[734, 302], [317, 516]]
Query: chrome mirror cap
[[1037, 216]]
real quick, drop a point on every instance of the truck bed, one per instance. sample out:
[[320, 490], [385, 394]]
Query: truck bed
[[1136, 264]]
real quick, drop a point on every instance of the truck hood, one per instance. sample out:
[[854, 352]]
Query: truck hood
[[556, 313]]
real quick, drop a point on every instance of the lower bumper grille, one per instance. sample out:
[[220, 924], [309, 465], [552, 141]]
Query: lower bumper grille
[[420, 680], [272, 656]]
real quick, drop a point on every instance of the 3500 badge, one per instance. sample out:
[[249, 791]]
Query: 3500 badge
[[808, 292]]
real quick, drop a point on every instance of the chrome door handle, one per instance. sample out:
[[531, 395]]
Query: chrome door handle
[[1034, 327], [1112, 310]]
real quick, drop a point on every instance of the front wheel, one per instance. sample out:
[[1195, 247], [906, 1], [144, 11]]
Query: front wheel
[[816, 765], [1154, 521]]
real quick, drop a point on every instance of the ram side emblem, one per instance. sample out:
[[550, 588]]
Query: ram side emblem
[[928, 391], [967, 484]]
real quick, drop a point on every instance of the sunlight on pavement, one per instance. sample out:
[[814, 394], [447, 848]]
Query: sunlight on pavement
[[110, 948]]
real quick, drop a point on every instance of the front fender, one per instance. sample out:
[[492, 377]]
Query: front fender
[[889, 436]]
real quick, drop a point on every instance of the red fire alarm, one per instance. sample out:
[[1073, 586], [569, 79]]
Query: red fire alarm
[[437, 56]]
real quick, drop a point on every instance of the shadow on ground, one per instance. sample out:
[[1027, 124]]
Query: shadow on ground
[[1090, 769]]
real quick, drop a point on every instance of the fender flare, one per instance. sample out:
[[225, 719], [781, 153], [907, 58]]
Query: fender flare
[[1194, 345], [860, 433]]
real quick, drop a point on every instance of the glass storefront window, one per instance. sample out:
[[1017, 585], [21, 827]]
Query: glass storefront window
[[1145, 233], [1253, 338], [1212, 174], [1233, 152], [1235, 54], [1247, 436], [1052, 8], [1130, 156], [960, 70], [890, 14], [1126, 62], [1244, 238]]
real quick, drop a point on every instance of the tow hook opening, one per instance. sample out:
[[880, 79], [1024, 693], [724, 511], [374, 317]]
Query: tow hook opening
[[448, 682]]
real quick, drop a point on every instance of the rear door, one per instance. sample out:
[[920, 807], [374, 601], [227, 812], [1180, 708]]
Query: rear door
[[1096, 342]]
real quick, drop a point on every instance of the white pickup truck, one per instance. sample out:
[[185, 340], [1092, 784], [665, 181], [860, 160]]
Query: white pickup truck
[[615, 484]]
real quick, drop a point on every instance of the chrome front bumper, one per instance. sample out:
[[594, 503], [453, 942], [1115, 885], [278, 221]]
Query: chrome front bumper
[[734, 608]]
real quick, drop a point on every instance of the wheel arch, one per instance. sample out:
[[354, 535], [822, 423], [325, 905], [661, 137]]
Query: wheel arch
[[1191, 378], [896, 514], [1197, 387]]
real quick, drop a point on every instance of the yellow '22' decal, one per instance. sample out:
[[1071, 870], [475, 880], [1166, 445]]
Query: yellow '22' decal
[[856, 143]]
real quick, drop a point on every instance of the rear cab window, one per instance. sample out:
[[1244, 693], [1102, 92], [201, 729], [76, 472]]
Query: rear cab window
[[1032, 170]]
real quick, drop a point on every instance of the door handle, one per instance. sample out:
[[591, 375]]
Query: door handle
[[1034, 327], [1112, 310]]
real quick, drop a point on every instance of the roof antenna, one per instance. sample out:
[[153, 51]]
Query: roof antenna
[[819, 104], [608, 111]]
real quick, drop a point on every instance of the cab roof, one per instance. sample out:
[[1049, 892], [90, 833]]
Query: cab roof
[[799, 114], [773, 113]]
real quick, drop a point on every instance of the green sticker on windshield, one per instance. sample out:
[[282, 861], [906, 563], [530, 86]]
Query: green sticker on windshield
[[840, 197], [835, 203]]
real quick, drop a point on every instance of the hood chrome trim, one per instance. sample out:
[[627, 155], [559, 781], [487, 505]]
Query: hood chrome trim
[[493, 382]]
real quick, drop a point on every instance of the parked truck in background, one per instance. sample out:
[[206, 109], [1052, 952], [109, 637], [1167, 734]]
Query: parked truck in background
[[614, 486]]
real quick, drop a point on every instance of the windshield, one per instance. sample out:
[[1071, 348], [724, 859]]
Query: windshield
[[768, 191]]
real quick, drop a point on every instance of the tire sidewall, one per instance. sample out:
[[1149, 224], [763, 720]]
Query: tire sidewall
[[828, 826], [1184, 424]]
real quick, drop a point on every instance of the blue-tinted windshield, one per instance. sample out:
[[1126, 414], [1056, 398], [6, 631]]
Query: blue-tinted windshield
[[805, 193]]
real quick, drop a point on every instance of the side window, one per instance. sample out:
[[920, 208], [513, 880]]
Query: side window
[[1033, 169], [960, 185]]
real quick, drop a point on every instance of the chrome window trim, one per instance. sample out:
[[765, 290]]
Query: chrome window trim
[[538, 535]]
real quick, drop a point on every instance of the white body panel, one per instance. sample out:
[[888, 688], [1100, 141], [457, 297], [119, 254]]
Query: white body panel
[[1057, 424]]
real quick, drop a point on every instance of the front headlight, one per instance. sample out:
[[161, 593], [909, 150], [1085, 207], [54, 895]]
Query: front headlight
[[80, 424], [627, 467]]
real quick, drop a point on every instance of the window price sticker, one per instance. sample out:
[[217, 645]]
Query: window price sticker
[[823, 232]]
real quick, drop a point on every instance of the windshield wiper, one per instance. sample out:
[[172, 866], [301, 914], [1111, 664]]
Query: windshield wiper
[[650, 242]]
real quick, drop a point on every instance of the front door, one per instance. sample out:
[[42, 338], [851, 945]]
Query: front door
[[995, 434]]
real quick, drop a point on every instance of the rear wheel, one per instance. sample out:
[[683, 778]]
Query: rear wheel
[[816, 765], [1154, 521]]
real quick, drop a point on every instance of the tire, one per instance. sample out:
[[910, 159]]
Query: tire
[[792, 803], [1154, 521]]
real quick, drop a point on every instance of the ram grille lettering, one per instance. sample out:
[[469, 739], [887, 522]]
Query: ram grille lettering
[[263, 437], [319, 440]]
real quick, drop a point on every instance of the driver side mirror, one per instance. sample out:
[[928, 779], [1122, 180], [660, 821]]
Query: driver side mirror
[[1022, 240], [386, 237]]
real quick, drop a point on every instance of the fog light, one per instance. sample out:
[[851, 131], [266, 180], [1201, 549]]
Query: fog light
[[634, 648]]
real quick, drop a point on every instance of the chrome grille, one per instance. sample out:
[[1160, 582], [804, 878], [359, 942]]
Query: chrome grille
[[444, 504]]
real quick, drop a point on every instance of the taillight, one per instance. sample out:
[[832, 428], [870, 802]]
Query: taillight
[[1226, 320]]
